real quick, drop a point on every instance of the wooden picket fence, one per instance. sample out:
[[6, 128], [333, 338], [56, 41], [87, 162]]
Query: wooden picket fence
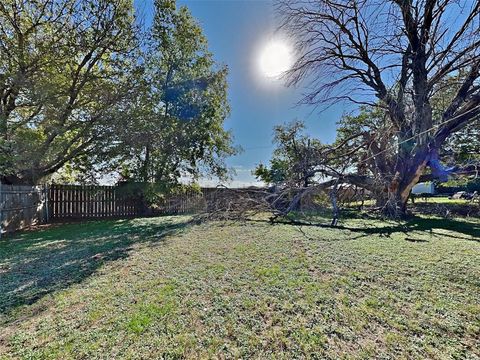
[[90, 202], [188, 202], [23, 206]]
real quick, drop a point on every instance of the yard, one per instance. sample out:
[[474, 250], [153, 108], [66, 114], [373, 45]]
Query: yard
[[168, 288]]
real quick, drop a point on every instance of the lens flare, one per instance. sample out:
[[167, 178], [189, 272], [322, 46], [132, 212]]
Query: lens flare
[[275, 59]]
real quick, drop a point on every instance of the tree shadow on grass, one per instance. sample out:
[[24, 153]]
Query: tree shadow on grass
[[33, 264], [450, 228], [426, 226]]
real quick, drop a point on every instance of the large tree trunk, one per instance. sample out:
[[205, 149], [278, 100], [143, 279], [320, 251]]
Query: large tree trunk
[[393, 204], [394, 199]]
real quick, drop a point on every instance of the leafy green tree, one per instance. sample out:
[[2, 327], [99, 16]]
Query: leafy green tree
[[174, 125], [63, 68], [276, 174], [84, 91]]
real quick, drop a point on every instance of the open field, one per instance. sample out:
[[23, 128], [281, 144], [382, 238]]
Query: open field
[[162, 287]]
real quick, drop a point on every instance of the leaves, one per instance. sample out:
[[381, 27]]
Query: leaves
[[174, 125], [66, 69], [84, 91], [295, 159]]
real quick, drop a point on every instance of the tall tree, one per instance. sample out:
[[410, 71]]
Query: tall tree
[[174, 126], [393, 55], [62, 69]]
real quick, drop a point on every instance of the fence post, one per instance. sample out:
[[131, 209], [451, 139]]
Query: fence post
[[46, 205], [1, 210]]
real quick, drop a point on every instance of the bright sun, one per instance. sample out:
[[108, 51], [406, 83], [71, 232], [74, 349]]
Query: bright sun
[[275, 58]]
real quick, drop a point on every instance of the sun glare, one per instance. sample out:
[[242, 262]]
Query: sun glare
[[275, 59]]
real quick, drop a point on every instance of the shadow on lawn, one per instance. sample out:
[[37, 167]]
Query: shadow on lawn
[[33, 264], [414, 226], [429, 226]]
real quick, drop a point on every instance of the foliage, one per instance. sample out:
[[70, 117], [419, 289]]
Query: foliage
[[174, 125], [63, 66], [461, 184], [275, 175], [294, 159], [463, 146], [360, 140], [84, 91], [152, 194]]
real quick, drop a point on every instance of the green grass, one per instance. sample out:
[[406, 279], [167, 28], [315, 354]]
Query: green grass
[[160, 288], [422, 200]]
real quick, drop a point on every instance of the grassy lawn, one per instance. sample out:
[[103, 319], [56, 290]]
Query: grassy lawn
[[153, 288], [430, 200]]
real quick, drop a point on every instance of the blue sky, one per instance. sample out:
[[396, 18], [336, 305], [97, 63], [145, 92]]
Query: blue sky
[[236, 31]]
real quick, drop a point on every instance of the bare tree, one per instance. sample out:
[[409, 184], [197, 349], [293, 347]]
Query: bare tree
[[394, 55]]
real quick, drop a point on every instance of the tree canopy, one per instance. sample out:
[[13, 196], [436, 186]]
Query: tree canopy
[[62, 69], [295, 158], [174, 125], [84, 87]]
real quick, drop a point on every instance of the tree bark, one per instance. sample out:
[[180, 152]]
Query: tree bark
[[394, 199]]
